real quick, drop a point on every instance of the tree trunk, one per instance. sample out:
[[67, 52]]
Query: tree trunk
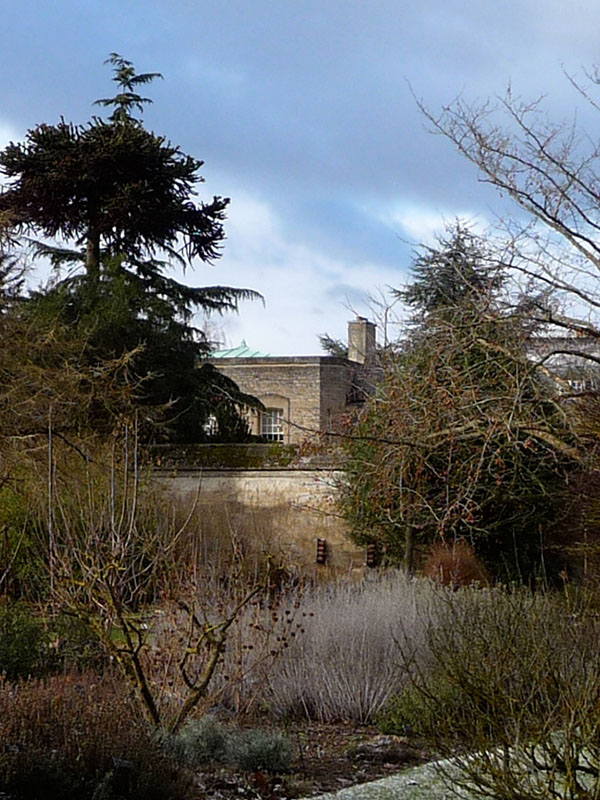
[[92, 254], [409, 550]]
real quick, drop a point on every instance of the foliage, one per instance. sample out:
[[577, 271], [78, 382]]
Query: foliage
[[111, 184], [443, 277], [123, 314], [510, 694], [41, 369], [122, 197], [200, 741], [23, 570], [411, 714], [341, 661], [73, 737], [205, 740], [45, 384], [23, 642], [333, 347], [255, 749], [33, 644], [463, 438], [74, 647]]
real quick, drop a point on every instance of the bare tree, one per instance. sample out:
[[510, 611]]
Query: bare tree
[[552, 170], [114, 556]]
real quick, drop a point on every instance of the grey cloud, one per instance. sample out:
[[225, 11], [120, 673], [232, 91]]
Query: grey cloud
[[305, 104]]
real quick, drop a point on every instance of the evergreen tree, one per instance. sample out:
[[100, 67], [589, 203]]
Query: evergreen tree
[[119, 199], [464, 439], [458, 269]]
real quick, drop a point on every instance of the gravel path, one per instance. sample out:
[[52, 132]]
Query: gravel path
[[419, 783]]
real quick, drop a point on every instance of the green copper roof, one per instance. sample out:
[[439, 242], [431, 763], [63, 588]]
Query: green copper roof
[[241, 351]]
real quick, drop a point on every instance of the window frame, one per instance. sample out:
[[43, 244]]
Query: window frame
[[272, 424]]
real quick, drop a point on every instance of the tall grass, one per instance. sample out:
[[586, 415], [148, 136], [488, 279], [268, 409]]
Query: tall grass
[[344, 664], [328, 652]]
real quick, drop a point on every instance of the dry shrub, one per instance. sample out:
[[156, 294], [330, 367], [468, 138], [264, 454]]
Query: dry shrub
[[217, 573], [68, 735], [342, 662], [321, 652], [455, 565], [261, 632], [510, 693]]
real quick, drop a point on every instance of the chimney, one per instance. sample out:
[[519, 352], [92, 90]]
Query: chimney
[[361, 340]]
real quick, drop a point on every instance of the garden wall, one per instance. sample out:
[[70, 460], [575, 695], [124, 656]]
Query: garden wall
[[268, 496]]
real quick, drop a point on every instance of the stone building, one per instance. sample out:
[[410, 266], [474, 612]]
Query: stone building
[[573, 360], [302, 394]]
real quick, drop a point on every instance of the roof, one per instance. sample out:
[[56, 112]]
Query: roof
[[241, 351]]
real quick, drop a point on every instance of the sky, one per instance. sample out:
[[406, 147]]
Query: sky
[[304, 113]]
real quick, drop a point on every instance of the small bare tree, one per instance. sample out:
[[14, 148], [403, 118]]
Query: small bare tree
[[114, 560]]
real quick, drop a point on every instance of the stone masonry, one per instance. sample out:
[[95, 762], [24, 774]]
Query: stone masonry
[[311, 391]]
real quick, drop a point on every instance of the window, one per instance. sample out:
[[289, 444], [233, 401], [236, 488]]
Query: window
[[583, 385], [211, 425], [271, 424]]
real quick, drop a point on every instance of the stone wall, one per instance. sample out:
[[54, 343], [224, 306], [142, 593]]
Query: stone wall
[[311, 390], [280, 505]]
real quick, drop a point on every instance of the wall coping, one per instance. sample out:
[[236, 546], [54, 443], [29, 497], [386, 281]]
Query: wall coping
[[236, 457], [280, 360]]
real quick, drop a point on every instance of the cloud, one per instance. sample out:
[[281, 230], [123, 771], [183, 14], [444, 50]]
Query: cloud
[[424, 225], [8, 133], [304, 116], [307, 292]]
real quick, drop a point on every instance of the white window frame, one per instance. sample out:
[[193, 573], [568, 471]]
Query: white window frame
[[583, 384], [211, 425], [271, 424]]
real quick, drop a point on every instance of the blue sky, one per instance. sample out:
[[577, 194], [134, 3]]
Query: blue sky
[[303, 113]]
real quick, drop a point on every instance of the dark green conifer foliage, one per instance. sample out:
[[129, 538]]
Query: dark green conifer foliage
[[120, 201], [459, 269]]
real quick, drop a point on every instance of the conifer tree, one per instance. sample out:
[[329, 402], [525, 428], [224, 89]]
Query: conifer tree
[[114, 202], [464, 439]]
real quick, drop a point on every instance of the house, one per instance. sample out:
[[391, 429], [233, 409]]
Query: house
[[573, 360], [302, 394]]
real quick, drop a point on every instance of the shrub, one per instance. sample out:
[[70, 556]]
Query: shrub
[[23, 563], [455, 565], [510, 693], [23, 642], [343, 661], [200, 741], [206, 741], [31, 646], [78, 737], [253, 750], [74, 646], [410, 713]]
